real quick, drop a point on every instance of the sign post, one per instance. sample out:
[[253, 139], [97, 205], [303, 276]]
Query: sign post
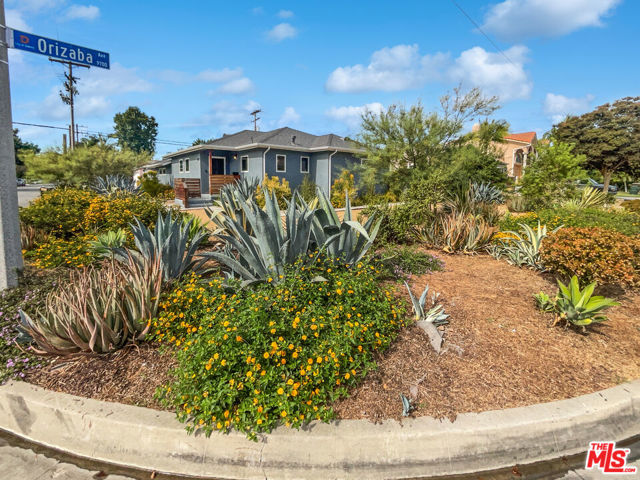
[[10, 250]]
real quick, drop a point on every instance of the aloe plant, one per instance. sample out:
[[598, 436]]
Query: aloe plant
[[114, 184], [99, 311], [169, 243]]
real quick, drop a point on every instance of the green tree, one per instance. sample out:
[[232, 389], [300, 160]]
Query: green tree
[[83, 164], [135, 130], [22, 149], [609, 137], [551, 177], [404, 143], [201, 141]]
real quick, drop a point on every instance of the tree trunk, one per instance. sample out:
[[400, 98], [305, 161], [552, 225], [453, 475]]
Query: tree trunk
[[607, 180]]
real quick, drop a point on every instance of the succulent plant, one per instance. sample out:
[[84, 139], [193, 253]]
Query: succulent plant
[[114, 184], [434, 315], [486, 193], [106, 243], [580, 307], [169, 243], [99, 311], [590, 198], [523, 249]]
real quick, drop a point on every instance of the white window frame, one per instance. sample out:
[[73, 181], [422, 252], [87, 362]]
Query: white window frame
[[285, 162], [224, 163], [308, 164], [181, 169], [241, 166], [186, 165]]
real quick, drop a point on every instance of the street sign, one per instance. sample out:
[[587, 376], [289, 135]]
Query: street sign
[[56, 49]]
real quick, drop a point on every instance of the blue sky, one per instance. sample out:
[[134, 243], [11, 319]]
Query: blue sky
[[200, 67]]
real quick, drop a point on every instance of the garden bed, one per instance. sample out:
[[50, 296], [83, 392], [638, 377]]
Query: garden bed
[[502, 353]]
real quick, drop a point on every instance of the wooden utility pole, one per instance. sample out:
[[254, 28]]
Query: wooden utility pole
[[255, 119], [67, 97]]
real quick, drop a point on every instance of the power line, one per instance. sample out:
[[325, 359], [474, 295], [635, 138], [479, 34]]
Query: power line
[[474, 23], [92, 132]]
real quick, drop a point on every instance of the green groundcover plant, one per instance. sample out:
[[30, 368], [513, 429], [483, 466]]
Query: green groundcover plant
[[251, 359]]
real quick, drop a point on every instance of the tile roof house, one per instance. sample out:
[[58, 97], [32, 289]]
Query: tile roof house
[[284, 152], [518, 149]]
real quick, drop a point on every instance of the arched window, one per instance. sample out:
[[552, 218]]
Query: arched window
[[519, 156]]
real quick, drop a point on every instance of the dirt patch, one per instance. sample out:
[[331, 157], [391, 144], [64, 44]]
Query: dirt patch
[[130, 375], [510, 354]]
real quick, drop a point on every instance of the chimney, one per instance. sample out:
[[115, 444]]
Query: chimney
[[293, 139]]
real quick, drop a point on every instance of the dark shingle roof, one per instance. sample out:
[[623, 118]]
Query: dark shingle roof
[[283, 137]]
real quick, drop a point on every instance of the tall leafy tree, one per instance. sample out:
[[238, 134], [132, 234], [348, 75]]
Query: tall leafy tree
[[609, 137], [201, 141], [136, 130], [404, 143], [22, 149]]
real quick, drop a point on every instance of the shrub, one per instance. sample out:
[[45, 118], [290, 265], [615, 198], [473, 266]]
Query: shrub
[[256, 358], [632, 206], [399, 261], [280, 187], [610, 219], [150, 185], [113, 212], [308, 189], [344, 185], [58, 252], [60, 212], [593, 254]]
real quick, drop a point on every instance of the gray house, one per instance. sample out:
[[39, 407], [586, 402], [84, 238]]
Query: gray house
[[285, 153]]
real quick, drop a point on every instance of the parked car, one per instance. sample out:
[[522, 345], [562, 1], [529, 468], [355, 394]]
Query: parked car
[[598, 186], [22, 182]]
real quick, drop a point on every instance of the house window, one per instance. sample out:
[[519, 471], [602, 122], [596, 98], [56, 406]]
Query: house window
[[181, 166], [304, 164], [281, 163], [244, 163], [186, 165]]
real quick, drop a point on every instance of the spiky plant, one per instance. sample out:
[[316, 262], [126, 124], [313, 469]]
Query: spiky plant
[[232, 197], [486, 193], [590, 198], [429, 319], [110, 184], [169, 243], [523, 249], [99, 311], [106, 243]]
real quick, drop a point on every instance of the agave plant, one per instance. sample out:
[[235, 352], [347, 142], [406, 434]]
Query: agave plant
[[169, 243], [486, 193], [106, 243], [232, 197], [428, 320], [590, 198], [523, 249], [114, 184], [457, 232], [348, 239], [575, 306], [263, 243], [99, 311]]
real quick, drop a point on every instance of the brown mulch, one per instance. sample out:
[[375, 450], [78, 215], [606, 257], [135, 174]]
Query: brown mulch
[[510, 354], [130, 375]]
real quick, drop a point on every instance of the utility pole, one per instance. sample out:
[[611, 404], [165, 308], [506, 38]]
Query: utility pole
[[10, 249], [255, 119], [67, 96]]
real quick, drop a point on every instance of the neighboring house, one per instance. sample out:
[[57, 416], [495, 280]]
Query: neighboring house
[[285, 153], [518, 150]]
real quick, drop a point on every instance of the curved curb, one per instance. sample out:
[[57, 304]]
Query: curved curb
[[150, 440]]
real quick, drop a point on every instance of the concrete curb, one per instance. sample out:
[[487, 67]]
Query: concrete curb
[[146, 439]]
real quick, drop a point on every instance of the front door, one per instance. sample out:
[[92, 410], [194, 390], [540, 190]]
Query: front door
[[217, 166]]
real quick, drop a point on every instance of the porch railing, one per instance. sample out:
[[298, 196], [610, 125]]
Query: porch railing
[[216, 182]]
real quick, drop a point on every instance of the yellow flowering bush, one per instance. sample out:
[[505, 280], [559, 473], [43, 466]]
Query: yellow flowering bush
[[274, 185], [344, 184], [106, 213], [59, 252], [252, 359]]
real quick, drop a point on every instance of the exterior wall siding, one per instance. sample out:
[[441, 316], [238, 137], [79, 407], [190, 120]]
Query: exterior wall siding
[[320, 162], [293, 174]]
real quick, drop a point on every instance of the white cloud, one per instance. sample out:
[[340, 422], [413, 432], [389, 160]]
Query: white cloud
[[285, 14], [118, 80], [391, 69], [257, 11], [493, 72], [238, 86], [15, 19], [281, 32], [226, 116], [352, 115], [82, 12], [403, 67], [289, 117], [557, 107], [514, 20], [219, 76]]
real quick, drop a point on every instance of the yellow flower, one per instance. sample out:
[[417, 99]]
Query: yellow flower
[[280, 391]]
